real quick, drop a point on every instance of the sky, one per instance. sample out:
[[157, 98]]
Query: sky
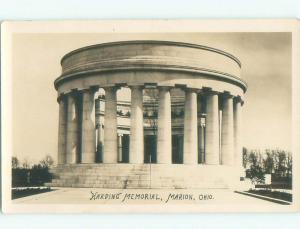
[[266, 67]]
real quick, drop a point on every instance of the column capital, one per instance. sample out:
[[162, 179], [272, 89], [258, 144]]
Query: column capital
[[61, 97], [238, 99], [208, 91], [111, 88], [90, 89], [138, 86], [189, 89], [184, 87], [64, 96], [226, 95], [74, 92], [164, 88]]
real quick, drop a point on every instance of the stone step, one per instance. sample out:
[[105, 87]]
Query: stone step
[[103, 166], [102, 172], [138, 176]]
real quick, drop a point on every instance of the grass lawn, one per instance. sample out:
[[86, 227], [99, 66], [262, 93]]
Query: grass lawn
[[23, 192]]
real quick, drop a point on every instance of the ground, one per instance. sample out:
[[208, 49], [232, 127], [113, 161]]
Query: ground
[[141, 196]]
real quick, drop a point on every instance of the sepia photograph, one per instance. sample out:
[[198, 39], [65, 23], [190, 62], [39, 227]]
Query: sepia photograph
[[146, 116]]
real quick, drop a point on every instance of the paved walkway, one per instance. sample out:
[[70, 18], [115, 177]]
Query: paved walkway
[[142, 196]]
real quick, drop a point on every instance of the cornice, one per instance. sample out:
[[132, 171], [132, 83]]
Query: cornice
[[208, 72]]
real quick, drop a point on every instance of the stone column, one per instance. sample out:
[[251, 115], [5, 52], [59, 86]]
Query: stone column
[[72, 130], [227, 146], [237, 132], [190, 151], [202, 146], [212, 155], [120, 156], [62, 124], [88, 134], [98, 130], [164, 132], [99, 146], [201, 106], [136, 153], [99, 108], [110, 153]]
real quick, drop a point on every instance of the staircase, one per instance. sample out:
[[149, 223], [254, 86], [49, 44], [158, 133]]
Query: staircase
[[142, 176]]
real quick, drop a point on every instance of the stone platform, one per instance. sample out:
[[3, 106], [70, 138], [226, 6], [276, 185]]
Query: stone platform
[[132, 176]]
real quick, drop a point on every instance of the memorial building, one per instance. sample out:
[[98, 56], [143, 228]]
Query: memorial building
[[149, 114]]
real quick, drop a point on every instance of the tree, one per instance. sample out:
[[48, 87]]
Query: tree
[[277, 162], [26, 164], [268, 162], [39, 174], [47, 161], [14, 163], [255, 158], [289, 163], [280, 162], [255, 172]]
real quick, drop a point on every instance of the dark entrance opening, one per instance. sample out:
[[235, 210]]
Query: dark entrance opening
[[150, 149], [177, 149], [125, 148], [79, 107]]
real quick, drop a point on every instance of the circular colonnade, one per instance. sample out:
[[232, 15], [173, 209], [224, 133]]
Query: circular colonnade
[[211, 86]]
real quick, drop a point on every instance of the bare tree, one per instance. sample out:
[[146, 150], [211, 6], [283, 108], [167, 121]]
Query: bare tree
[[25, 164], [280, 162], [14, 162], [47, 161], [268, 162]]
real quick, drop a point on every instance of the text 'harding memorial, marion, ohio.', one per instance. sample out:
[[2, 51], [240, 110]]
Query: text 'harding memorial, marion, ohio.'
[[180, 129]]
